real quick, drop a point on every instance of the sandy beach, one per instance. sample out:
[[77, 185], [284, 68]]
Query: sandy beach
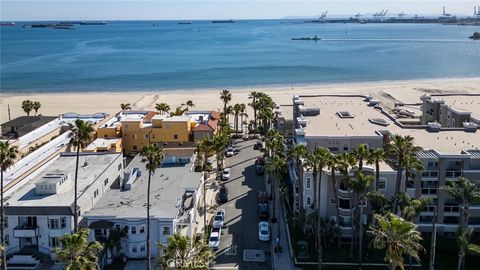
[[109, 102]]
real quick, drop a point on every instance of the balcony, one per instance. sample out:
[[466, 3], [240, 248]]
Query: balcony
[[430, 174], [429, 191], [25, 231], [453, 173]]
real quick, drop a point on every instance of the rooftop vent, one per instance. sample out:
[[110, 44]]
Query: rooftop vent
[[379, 121], [434, 126], [51, 183], [309, 111], [344, 114], [470, 126]]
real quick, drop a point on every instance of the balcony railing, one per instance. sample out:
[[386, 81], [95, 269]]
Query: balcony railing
[[451, 209], [25, 231], [453, 173], [429, 191]]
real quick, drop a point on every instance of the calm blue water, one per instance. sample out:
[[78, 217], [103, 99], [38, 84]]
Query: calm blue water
[[139, 56]]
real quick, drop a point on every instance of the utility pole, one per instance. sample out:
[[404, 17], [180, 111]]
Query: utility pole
[[205, 177]]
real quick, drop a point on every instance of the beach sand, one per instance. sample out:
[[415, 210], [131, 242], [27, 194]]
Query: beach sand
[[207, 99]]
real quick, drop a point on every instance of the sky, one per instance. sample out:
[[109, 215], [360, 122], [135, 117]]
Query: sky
[[17, 10]]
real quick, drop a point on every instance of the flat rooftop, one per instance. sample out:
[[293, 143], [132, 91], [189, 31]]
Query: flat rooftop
[[462, 104], [124, 116], [329, 124], [168, 185], [65, 163], [102, 143]]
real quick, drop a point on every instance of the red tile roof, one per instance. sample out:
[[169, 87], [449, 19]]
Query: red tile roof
[[213, 121], [149, 116], [203, 127]]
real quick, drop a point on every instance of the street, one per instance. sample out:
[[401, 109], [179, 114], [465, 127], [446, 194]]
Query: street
[[240, 231]]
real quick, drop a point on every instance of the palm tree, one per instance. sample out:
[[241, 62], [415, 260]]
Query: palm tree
[[8, 155], [273, 143], [237, 108], [297, 152], [186, 253], [243, 113], [465, 193], [411, 163], [266, 117], [81, 135], [254, 96], [162, 108], [179, 110], [411, 208], [113, 243], [226, 97], [463, 239], [398, 237], [275, 167], [399, 148], [360, 186], [361, 153], [189, 104], [375, 157], [77, 252], [36, 106], [332, 164], [125, 107], [27, 106], [317, 161], [219, 143], [152, 156]]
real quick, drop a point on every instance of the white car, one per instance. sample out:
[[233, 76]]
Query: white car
[[226, 173], [219, 218], [214, 240], [230, 151], [264, 231]]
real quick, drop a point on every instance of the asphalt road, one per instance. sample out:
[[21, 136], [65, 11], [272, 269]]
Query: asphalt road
[[240, 231]]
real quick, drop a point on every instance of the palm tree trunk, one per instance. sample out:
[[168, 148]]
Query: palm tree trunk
[[274, 199], [407, 175], [360, 238], [397, 188], [75, 210], [392, 266], [352, 216], [337, 208], [2, 228], [459, 264], [315, 176], [377, 175], [148, 221], [319, 228]]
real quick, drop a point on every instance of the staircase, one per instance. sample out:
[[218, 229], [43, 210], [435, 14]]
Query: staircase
[[22, 261]]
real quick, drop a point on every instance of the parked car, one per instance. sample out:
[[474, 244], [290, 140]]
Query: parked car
[[230, 151], [222, 196], [219, 218], [226, 173], [262, 197], [260, 165], [214, 240], [263, 212], [264, 231], [258, 145]]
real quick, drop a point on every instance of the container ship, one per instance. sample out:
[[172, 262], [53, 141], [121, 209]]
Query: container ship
[[223, 21]]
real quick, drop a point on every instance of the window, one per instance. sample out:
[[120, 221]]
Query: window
[[344, 203], [117, 226], [309, 200], [119, 167], [333, 149], [63, 222], [333, 201], [426, 219], [126, 228], [54, 242], [105, 182], [134, 248], [7, 240], [381, 184], [345, 148], [142, 229], [5, 224], [134, 148], [134, 229], [95, 193], [166, 230], [142, 247], [54, 224], [309, 183], [175, 136], [146, 136]]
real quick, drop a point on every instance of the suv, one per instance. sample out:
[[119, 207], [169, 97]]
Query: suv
[[226, 174], [219, 218], [260, 165], [263, 212], [262, 197], [222, 196], [214, 240]]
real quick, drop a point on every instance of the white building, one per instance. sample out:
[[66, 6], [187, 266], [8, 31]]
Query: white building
[[175, 194], [41, 210]]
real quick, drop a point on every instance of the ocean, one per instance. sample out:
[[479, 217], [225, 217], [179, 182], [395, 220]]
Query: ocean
[[161, 55]]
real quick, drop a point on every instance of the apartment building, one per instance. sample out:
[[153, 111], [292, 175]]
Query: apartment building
[[451, 110], [141, 128], [342, 123], [41, 210], [176, 191]]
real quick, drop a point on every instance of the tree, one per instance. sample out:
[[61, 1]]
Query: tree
[[411, 163], [179, 110], [237, 108], [27, 106], [398, 237], [36, 106], [8, 155], [317, 161], [162, 108], [226, 97], [375, 157], [219, 143], [332, 164], [361, 153], [254, 96], [189, 104], [273, 143], [463, 240], [275, 167], [113, 243], [411, 208], [81, 135], [360, 186], [77, 252], [152, 156], [297, 152], [186, 253], [399, 148], [125, 107], [243, 113]]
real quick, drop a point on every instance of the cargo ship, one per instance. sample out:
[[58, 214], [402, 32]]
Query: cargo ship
[[185, 22], [314, 38], [7, 24], [94, 23]]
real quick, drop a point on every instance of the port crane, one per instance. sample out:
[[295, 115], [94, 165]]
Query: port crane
[[358, 15], [401, 15], [380, 14], [476, 11], [324, 15]]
